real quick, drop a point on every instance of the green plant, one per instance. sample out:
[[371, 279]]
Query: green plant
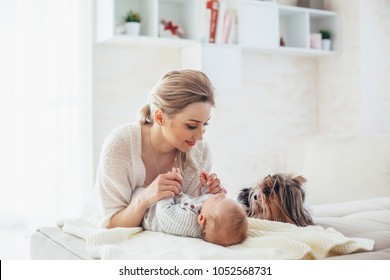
[[132, 17], [326, 34]]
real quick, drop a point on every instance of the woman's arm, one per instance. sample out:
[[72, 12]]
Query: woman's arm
[[114, 181], [164, 186], [131, 216], [120, 207]]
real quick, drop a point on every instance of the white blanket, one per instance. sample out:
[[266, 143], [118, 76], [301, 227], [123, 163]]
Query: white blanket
[[266, 240]]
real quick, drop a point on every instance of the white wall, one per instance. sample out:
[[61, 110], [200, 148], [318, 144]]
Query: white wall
[[339, 89], [122, 79], [250, 128], [354, 87], [375, 57]]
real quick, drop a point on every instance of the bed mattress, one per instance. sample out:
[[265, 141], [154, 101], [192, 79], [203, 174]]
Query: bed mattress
[[365, 219]]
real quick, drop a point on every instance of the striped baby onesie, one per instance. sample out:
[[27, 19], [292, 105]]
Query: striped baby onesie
[[176, 215]]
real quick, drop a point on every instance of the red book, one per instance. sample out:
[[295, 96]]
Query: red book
[[213, 5]]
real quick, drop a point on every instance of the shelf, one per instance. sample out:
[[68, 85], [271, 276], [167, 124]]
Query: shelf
[[290, 51], [317, 12], [147, 41], [261, 24]]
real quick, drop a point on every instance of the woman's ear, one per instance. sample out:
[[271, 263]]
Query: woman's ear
[[201, 220], [159, 117]]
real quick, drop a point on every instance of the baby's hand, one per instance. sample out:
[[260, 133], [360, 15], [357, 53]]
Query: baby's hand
[[203, 183], [210, 183], [176, 170]]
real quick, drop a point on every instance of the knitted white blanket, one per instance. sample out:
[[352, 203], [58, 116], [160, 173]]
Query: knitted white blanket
[[266, 240]]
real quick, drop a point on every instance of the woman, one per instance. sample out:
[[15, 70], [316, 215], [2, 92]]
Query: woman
[[142, 154]]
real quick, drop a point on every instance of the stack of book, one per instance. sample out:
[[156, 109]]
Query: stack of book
[[221, 23]]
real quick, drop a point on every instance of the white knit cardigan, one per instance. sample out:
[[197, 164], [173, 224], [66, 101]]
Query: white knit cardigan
[[121, 169]]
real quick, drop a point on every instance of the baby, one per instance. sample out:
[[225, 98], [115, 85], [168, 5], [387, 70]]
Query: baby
[[214, 218]]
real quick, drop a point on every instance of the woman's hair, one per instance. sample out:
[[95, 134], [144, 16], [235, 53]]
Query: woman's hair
[[228, 228], [175, 91]]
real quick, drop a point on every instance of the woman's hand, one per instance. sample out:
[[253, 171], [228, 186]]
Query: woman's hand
[[211, 182], [165, 185]]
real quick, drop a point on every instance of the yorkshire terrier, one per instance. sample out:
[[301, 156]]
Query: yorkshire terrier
[[279, 197]]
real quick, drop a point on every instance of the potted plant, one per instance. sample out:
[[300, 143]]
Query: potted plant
[[132, 23], [326, 39]]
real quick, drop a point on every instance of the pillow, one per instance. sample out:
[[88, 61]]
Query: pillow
[[342, 169]]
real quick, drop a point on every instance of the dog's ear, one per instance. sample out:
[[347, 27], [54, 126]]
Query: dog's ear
[[294, 197], [299, 180], [243, 197]]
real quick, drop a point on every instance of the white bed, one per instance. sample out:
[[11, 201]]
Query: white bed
[[348, 190], [365, 219]]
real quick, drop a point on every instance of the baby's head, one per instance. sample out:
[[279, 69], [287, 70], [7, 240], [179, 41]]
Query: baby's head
[[223, 221]]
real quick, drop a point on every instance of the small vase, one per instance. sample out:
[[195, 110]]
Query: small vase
[[326, 44], [132, 28]]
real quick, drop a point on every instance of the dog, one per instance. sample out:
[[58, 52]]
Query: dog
[[279, 197]]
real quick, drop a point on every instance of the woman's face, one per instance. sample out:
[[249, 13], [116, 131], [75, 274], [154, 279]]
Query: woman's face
[[187, 127]]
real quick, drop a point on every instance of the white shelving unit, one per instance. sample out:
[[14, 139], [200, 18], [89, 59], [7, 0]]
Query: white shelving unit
[[261, 24], [258, 25], [110, 13], [296, 25]]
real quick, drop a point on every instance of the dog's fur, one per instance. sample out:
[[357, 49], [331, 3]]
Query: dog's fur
[[279, 197]]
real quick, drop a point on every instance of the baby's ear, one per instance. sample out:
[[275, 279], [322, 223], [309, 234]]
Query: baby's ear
[[201, 219]]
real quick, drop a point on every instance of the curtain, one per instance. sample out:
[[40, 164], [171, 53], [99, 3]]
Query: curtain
[[45, 110]]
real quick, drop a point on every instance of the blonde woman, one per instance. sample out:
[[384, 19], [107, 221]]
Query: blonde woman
[[142, 154]]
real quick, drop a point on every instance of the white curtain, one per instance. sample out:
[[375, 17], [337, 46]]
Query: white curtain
[[45, 110]]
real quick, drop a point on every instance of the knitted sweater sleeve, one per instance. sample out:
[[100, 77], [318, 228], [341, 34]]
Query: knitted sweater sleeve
[[113, 175], [206, 158]]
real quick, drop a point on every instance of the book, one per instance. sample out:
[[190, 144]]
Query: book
[[213, 5], [221, 15], [233, 33], [226, 27], [206, 26]]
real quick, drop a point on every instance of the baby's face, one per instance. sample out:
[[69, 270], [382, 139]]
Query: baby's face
[[213, 204], [218, 206]]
